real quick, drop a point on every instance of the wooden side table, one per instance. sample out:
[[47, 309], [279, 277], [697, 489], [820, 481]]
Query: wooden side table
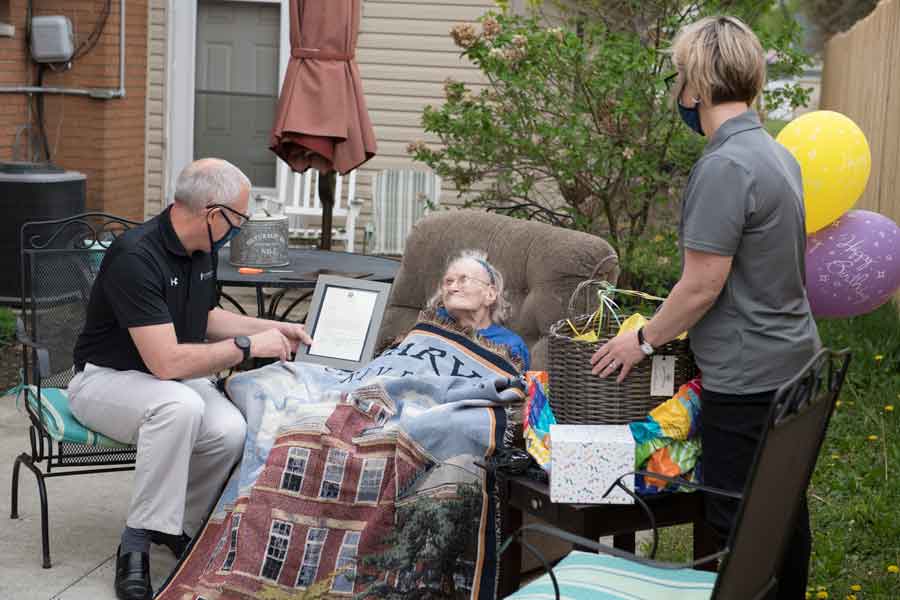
[[521, 495]]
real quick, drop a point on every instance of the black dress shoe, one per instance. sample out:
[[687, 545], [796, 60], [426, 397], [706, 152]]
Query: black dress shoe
[[176, 543], [133, 576]]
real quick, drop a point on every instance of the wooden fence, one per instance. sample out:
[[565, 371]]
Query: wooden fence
[[861, 79]]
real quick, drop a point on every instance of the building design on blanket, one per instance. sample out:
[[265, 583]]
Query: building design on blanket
[[349, 462], [342, 473]]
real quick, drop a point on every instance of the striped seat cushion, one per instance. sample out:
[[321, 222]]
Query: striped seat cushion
[[59, 421], [586, 576]]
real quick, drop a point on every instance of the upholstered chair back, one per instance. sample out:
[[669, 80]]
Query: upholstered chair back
[[541, 265]]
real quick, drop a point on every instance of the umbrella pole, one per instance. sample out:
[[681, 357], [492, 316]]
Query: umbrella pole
[[326, 197]]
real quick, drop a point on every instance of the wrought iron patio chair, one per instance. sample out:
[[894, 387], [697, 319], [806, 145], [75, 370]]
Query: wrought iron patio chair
[[59, 261], [780, 474]]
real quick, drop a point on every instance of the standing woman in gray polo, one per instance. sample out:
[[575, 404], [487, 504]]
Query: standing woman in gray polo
[[741, 292]]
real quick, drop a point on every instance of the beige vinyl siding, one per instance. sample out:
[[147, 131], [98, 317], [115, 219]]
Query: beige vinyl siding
[[154, 192], [405, 54]]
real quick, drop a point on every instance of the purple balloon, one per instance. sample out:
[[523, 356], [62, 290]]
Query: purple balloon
[[853, 265]]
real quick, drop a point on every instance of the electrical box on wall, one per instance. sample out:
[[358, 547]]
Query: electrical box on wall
[[52, 40]]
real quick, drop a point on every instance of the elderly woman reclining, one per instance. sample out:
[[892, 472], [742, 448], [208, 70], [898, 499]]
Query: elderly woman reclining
[[471, 294]]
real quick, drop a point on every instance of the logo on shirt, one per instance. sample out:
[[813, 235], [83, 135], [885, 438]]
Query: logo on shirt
[[205, 276], [173, 282]]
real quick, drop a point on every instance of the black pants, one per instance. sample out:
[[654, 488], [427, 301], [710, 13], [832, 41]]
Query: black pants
[[731, 429]]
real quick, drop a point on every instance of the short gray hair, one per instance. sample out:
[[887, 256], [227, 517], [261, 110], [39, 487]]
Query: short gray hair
[[209, 181], [500, 309]]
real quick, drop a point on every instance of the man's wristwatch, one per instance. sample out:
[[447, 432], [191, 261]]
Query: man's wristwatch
[[243, 342], [646, 348]]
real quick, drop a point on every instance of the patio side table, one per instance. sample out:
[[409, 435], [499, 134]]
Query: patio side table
[[521, 495]]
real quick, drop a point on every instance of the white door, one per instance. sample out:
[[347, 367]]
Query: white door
[[237, 85]]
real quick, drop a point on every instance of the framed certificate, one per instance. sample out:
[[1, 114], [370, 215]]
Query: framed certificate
[[344, 319]]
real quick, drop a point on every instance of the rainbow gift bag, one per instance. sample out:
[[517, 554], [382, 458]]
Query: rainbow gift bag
[[666, 441], [537, 418]]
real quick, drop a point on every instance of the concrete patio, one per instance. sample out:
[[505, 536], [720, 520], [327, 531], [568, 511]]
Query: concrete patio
[[87, 514]]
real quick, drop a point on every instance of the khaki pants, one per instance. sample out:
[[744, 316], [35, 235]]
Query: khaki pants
[[188, 437]]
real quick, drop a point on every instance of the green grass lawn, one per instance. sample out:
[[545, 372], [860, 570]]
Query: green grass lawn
[[774, 126], [854, 498]]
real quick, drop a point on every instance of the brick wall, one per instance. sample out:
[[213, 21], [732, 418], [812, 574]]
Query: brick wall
[[104, 139]]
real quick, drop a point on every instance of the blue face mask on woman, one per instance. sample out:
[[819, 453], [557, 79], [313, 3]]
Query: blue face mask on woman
[[690, 116]]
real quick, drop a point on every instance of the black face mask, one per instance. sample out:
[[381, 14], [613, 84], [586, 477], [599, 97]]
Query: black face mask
[[233, 229], [690, 116], [229, 235]]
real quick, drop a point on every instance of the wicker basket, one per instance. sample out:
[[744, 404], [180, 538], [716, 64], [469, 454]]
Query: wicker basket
[[578, 397]]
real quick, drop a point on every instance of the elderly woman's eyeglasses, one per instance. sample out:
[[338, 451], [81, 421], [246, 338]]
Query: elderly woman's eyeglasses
[[463, 281]]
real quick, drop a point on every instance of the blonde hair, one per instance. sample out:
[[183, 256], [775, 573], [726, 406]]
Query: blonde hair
[[500, 308], [721, 58]]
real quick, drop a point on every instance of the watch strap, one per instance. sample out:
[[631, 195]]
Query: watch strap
[[646, 347], [243, 342]]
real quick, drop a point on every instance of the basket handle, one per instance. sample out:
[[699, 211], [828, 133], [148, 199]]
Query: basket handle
[[606, 303], [570, 309], [614, 257]]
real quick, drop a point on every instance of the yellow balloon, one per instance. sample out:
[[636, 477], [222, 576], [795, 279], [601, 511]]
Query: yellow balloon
[[835, 161]]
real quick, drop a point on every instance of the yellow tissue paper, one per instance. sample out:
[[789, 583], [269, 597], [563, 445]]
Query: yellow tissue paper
[[590, 336], [636, 321], [633, 323]]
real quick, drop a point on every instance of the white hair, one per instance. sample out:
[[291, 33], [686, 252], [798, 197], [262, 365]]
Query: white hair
[[209, 181], [499, 310]]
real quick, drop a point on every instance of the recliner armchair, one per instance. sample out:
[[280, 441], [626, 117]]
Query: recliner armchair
[[541, 265]]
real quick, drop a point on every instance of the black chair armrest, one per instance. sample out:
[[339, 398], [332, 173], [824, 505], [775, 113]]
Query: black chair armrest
[[596, 546], [675, 480], [42, 365]]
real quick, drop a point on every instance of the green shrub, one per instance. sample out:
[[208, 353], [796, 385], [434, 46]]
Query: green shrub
[[574, 126], [7, 326], [655, 264]]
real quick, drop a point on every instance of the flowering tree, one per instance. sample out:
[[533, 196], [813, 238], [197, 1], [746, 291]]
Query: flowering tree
[[575, 126]]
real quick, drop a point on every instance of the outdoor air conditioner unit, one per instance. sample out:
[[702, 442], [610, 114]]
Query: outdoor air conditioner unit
[[52, 40]]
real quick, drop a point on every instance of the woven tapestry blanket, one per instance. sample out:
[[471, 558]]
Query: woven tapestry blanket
[[363, 483]]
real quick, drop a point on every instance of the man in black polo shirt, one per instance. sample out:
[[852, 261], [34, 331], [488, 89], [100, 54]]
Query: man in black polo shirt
[[153, 334]]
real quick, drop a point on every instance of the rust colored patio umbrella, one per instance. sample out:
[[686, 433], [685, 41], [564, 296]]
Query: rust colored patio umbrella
[[322, 120]]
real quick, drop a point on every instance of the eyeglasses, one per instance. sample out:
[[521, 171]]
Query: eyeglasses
[[225, 207], [463, 281]]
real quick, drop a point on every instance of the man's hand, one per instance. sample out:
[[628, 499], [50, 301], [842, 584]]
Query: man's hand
[[295, 333], [622, 351], [270, 344]]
